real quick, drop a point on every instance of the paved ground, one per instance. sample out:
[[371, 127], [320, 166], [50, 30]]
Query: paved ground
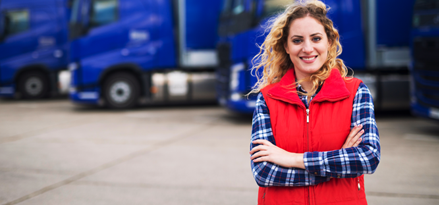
[[52, 152]]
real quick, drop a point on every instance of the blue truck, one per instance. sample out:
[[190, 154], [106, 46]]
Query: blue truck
[[33, 47], [425, 60], [133, 52], [375, 36]]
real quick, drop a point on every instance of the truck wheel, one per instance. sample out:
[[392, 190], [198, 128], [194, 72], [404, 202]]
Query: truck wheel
[[121, 91], [33, 85]]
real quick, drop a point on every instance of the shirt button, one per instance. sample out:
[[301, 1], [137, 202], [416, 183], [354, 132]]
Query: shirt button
[[338, 176], [315, 173]]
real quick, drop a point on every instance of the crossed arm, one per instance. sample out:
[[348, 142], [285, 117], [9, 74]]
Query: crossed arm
[[273, 166]]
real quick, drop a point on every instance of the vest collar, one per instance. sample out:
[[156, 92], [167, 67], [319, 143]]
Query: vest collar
[[333, 89]]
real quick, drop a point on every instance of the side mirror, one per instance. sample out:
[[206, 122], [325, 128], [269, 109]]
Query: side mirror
[[2, 26], [86, 11]]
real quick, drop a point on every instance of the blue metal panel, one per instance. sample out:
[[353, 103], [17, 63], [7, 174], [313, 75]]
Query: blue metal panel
[[347, 18], [394, 19], [167, 45], [201, 33]]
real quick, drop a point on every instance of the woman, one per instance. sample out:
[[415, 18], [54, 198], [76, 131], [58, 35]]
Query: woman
[[314, 132]]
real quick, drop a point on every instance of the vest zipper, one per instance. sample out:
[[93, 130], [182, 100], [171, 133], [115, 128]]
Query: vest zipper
[[307, 138], [307, 115]]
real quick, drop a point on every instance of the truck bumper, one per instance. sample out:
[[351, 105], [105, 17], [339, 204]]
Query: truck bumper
[[84, 97], [426, 112], [7, 91], [243, 106]]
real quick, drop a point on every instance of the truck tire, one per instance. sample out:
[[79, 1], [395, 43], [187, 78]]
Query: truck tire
[[121, 91], [33, 85]]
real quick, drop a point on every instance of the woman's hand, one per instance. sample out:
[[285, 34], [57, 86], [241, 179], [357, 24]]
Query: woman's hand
[[354, 137], [267, 152]]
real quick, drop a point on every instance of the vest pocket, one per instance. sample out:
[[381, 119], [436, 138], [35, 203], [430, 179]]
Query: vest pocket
[[261, 195], [361, 192]]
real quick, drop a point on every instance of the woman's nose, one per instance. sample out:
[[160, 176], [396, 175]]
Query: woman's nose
[[307, 47]]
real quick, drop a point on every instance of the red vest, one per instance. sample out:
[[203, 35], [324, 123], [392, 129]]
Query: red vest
[[329, 124]]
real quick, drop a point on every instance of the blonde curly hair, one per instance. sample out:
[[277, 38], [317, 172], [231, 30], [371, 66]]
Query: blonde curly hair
[[273, 58]]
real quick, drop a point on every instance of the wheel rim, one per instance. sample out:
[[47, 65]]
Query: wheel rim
[[34, 86], [120, 92]]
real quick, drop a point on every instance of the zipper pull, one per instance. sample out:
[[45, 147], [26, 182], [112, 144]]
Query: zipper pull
[[359, 187], [307, 115]]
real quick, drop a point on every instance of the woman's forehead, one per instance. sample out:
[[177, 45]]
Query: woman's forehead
[[305, 26]]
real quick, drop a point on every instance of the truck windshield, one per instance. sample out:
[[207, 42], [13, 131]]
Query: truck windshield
[[426, 13], [426, 4], [233, 7], [238, 7], [272, 7], [227, 7]]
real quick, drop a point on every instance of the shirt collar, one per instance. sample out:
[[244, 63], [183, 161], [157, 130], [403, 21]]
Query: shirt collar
[[300, 89], [333, 89]]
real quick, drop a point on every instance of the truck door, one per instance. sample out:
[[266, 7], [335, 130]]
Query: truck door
[[16, 41], [94, 30]]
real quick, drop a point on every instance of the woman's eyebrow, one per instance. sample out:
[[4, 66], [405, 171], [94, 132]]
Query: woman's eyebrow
[[296, 36], [315, 34]]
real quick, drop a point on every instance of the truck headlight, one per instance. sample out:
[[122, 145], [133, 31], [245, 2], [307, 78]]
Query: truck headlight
[[72, 66]]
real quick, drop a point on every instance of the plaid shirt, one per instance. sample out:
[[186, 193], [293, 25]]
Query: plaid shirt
[[320, 166]]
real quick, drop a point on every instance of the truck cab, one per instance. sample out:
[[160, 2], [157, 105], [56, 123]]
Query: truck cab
[[370, 47], [241, 32], [33, 45], [131, 52], [424, 68]]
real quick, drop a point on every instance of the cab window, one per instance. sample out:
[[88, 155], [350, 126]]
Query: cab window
[[272, 7], [103, 12], [16, 22]]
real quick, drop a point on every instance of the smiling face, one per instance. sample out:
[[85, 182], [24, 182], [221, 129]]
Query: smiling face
[[307, 45]]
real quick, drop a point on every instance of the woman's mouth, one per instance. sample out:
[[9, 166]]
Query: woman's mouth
[[308, 59]]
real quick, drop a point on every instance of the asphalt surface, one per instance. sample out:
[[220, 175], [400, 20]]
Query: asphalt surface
[[53, 152]]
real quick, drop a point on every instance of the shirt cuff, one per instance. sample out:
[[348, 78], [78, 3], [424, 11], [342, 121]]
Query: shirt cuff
[[314, 163]]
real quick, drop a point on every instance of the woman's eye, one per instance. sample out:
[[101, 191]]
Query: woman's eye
[[317, 39], [297, 41]]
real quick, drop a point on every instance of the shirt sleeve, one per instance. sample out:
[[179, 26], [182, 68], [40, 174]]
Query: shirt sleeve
[[269, 174], [354, 161]]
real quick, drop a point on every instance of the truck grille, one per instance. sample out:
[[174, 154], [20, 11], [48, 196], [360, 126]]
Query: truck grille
[[223, 70], [426, 71]]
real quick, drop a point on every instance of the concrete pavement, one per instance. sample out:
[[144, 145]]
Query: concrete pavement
[[52, 152]]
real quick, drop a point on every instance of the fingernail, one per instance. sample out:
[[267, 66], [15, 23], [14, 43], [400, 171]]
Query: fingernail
[[359, 139], [362, 130]]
